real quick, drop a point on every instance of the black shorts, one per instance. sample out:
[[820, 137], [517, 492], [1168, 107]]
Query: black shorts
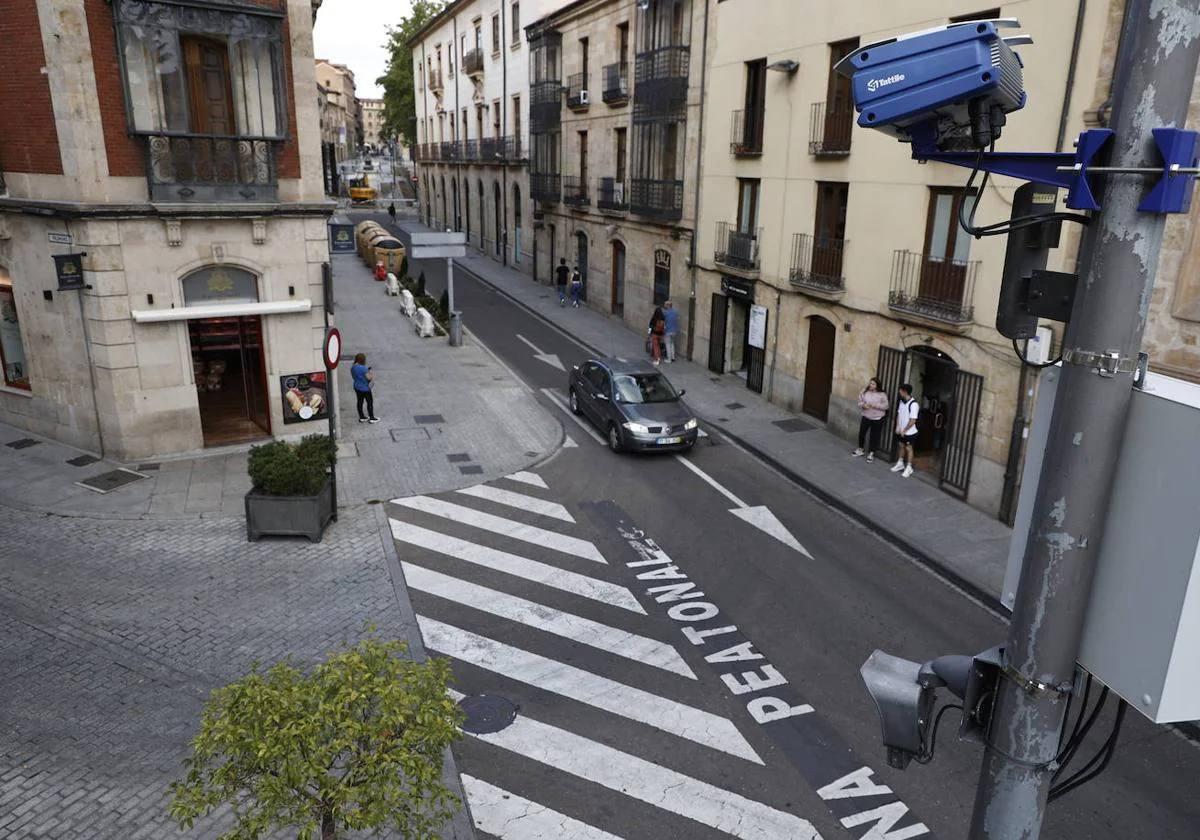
[[909, 439]]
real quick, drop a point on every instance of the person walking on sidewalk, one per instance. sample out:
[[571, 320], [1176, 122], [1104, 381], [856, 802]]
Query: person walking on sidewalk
[[658, 328], [873, 404], [906, 429], [576, 287], [364, 379], [671, 328], [561, 273], [392, 211]]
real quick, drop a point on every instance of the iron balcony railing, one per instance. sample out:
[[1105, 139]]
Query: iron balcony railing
[[737, 248], [746, 132], [545, 106], [545, 187], [616, 83], [451, 151], [656, 199], [472, 62], [660, 83], [829, 129], [937, 288], [198, 167], [578, 95], [435, 80], [817, 263], [471, 150], [613, 195], [513, 148], [575, 191], [501, 149]]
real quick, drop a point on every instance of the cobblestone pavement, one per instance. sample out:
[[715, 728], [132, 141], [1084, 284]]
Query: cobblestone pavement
[[112, 634]]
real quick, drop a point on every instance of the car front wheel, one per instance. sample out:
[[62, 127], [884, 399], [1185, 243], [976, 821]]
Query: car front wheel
[[574, 402], [614, 439]]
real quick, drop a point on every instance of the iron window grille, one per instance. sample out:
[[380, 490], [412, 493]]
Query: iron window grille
[[746, 132], [613, 195], [817, 263], [575, 191], [616, 83], [829, 130], [656, 199], [737, 248], [936, 288]]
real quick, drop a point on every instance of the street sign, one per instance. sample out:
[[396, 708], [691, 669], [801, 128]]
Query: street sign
[[447, 238], [427, 246], [758, 326], [69, 269], [59, 238], [333, 348], [341, 238]]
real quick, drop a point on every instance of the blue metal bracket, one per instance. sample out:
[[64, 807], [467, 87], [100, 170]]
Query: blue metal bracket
[[1172, 193]]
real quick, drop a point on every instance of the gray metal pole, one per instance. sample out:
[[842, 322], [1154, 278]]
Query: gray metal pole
[[1152, 85]]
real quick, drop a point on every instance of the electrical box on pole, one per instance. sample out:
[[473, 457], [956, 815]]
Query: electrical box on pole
[[1027, 251]]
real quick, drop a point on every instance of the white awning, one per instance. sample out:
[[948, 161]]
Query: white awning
[[224, 310]]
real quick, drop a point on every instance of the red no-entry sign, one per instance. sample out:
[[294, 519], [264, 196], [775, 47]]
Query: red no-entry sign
[[333, 348]]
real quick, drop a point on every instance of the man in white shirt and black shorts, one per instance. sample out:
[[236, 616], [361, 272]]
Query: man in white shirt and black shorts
[[907, 410]]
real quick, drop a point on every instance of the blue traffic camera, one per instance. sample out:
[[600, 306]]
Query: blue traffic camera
[[951, 86]]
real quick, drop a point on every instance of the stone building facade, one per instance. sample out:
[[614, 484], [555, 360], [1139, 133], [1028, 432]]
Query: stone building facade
[[372, 121], [199, 223], [342, 129]]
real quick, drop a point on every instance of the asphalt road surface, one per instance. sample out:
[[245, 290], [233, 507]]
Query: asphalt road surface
[[647, 655]]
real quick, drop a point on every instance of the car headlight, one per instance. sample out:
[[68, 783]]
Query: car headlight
[[691, 424], [637, 428]]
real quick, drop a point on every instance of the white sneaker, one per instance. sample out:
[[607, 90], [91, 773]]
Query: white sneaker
[[896, 467], [856, 452], [870, 457], [907, 471]]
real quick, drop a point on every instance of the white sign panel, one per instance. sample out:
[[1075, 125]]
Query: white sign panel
[[447, 238], [429, 252], [758, 327], [59, 238]]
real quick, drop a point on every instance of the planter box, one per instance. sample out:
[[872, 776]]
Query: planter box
[[289, 516]]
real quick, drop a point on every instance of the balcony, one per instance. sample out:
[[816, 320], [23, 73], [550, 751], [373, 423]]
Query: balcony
[[934, 291], [202, 168], [817, 265], [613, 195], [435, 81], [472, 63], [575, 191], [578, 95], [660, 83], [451, 151], [829, 130], [656, 199], [545, 188], [471, 150], [737, 249], [545, 106], [616, 84], [746, 133]]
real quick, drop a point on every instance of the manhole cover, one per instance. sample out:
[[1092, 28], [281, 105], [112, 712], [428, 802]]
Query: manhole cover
[[82, 460], [409, 434], [428, 418], [794, 424], [23, 443], [109, 481], [487, 713]]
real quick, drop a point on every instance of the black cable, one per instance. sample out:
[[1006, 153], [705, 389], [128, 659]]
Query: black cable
[[933, 735], [1025, 361], [1103, 756], [1087, 692], [1077, 739], [967, 223]]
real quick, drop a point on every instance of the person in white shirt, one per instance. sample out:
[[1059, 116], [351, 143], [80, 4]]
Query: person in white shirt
[[906, 429]]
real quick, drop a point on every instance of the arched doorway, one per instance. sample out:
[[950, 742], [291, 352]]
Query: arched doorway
[[618, 277], [933, 375], [516, 255], [482, 218], [467, 206], [818, 370], [498, 203], [581, 259], [457, 217]]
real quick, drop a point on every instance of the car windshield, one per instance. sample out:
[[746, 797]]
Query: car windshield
[[644, 388]]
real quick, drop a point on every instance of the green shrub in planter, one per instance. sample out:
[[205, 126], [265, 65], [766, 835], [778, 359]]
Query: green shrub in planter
[[291, 469]]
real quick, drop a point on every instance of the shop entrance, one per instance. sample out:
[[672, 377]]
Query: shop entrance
[[231, 379], [739, 336], [932, 374]]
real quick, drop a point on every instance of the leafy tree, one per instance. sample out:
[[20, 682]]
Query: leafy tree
[[399, 90], [357, 744]]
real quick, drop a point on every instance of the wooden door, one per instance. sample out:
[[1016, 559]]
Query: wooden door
[[839, 101], [818, 370], [254, 372], [716, 333], [209, 91], [618, 278], [755, 102], [944, 265]]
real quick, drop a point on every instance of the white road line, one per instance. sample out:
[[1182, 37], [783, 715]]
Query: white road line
[[551, 675], [505, 527], [517, 566], [519, 501], [512, 817], [576, 628], [711, 481], [529, 343], [569, 442], [581, 422], [659, 786], [525, 477]]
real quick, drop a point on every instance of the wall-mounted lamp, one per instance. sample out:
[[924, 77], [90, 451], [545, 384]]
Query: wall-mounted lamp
[[291, 291], [150, 300], [785, 65]]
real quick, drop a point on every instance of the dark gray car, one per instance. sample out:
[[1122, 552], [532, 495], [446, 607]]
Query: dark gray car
[[633, 404]]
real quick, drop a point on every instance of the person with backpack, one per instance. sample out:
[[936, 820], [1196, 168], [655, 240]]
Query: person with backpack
[[561, 273], [658, 327], [576, 287], [907, 412]]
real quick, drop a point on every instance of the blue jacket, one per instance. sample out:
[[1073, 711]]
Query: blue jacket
[[359, 374], [672, 317]]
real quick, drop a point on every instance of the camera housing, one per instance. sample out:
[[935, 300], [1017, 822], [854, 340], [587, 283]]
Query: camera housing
[[954, 83]]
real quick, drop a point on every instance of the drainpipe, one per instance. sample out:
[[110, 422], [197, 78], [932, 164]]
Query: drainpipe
[[691, 338], [504, 133], [774, 345], [450, 223]]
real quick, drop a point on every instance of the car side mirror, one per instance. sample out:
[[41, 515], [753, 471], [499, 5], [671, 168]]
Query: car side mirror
[[682, 391], [602, 397]]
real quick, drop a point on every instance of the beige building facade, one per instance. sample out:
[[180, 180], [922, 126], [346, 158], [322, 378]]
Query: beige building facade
[[372, 121], [343, 128], [189, 299]]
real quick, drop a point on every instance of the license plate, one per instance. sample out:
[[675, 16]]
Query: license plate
[[669, 440]]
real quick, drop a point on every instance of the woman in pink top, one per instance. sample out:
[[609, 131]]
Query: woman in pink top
[[874, 405]]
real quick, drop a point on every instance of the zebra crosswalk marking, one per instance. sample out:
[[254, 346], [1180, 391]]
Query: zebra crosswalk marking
[[564, 624], [512, 817], [560, 678], [505, 527], [526, 477], [518, 566], [519, 501]]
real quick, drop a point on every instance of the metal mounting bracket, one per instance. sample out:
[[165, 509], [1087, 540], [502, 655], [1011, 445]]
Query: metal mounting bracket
[[1107, 364]]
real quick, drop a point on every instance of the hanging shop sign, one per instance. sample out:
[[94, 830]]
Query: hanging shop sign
[[758, 327], [733, 287], [304, 397], [662, 259], [341, 238], [69, 268]]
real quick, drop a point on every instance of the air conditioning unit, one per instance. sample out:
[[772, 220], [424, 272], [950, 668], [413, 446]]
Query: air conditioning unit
[[583, 98], [619, 192]]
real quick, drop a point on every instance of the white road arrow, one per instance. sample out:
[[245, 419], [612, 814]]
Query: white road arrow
[[548, 358], [759, 516]]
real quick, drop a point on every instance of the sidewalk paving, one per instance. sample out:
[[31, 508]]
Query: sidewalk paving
[[966, 544]]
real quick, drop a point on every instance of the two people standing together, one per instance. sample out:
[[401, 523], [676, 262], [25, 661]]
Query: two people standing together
[[873, 403], [561, 276], [664, 327]]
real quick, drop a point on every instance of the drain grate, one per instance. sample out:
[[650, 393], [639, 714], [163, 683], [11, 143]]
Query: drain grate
[[428, 418], [487, 713], [474, 469], [23, 443], [82, 460], [734, 405], [109, 481], [148, 467], [458, 457], [794, 424], [408, 434]]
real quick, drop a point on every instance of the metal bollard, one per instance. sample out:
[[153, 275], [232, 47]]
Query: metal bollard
[[456, 329]]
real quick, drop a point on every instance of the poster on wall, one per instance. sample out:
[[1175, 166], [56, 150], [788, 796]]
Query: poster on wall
[[758, 327], [304, 397]]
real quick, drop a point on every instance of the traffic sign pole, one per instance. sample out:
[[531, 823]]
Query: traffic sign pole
[[332, 351]]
